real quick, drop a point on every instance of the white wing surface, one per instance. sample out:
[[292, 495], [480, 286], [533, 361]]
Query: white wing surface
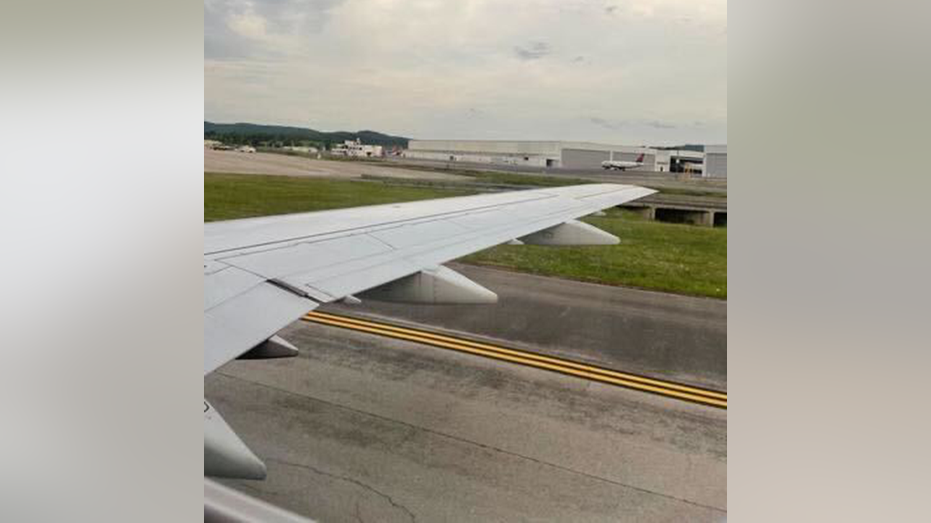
[[262, 274]]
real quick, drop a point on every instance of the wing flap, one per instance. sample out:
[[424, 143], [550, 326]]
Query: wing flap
[[222, 283], [308, 256], [239, 324]]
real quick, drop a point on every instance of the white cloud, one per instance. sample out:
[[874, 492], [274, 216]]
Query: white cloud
[[248, 25], [473, 69]]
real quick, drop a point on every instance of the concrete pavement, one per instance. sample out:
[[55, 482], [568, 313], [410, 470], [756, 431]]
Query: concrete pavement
[[365, 428], [680, 338], [360, 428]]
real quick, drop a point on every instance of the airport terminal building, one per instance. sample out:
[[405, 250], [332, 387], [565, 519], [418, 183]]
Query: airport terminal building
[[556, 154]]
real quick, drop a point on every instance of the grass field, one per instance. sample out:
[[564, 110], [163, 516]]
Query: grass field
[[232, 196], [660, 256], [667, 257]]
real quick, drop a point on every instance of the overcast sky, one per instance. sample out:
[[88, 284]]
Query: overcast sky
[[620, 71]]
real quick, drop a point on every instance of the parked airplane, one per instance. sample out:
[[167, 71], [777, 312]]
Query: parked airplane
[[622, 165], [262, 274]]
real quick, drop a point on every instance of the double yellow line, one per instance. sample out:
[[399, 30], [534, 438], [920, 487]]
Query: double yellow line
[[530, 359]]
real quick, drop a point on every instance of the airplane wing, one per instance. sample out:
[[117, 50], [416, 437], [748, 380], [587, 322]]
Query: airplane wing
[[262, 274]]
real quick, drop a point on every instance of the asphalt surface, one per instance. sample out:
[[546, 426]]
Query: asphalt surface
[[649, 178], [363, 428], [680, 338], [283, 165]]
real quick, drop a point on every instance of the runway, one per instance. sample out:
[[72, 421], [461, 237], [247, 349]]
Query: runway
[[362, 427]]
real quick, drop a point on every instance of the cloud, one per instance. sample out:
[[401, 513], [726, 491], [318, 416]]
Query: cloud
[[601, 122], [248, 25], [261, 29], [614, 126], [534, 51], [447, 69]]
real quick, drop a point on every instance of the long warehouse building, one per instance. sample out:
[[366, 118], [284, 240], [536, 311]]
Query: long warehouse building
[[556, 154], [716, 161]]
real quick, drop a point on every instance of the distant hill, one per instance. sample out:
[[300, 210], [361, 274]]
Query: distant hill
[[255, 134], [686, 147]]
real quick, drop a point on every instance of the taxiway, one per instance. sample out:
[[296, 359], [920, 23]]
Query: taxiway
[[368, 428]]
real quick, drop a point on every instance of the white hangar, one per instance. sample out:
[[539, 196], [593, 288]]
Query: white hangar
[[567, 155], [716, 161]]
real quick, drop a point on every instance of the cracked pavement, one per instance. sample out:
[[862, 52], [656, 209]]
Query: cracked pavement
[[359, 428]]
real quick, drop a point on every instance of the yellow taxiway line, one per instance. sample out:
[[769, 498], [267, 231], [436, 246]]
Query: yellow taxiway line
[[530, 359]]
